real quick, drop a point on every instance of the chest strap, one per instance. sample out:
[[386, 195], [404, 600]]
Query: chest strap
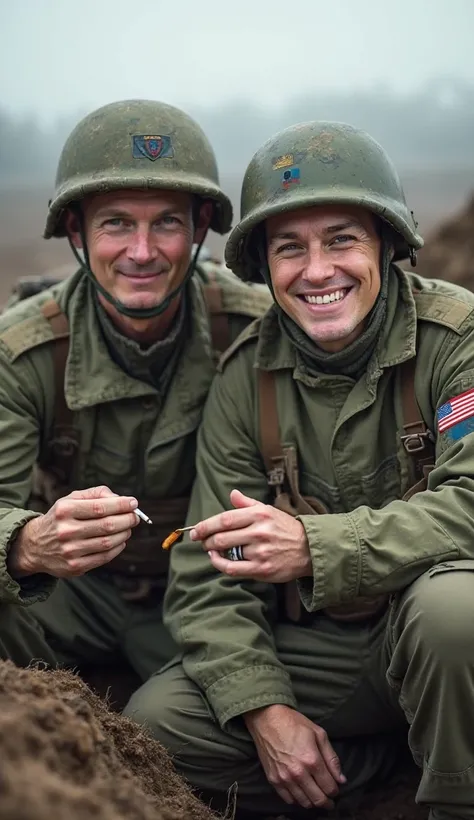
[[218, 318], [282, 475], [60, 451], [417, 440]]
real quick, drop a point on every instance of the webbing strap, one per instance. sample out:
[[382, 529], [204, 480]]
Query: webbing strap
[[416, 439], [60, 326], [218, 318], [272, 451], [62, 447]]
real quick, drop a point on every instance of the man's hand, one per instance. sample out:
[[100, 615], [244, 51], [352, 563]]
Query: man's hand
[[274, 544], [82, 531], [296, 756]]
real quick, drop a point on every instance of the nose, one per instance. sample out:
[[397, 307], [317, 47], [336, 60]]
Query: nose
[[320, 265], [142, 248]]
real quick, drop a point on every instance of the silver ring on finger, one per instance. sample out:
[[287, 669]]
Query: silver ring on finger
[[236, 554]]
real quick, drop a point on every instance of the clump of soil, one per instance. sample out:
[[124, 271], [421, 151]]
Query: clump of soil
[[65, 754], [394, 801], [449, 252]]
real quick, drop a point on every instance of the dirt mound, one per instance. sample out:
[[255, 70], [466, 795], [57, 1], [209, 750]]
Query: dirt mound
[[449, 252], [65, 754]]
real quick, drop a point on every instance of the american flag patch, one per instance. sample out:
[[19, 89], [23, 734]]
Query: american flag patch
[[455, 410]]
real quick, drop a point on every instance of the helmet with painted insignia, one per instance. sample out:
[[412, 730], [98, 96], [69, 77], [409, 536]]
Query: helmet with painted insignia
[[316, 163], [139, 144]]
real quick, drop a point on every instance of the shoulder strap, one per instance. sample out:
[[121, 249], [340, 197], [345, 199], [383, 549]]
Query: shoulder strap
[[63, 444], [272, 451], [59, 325], [417, 439], [219, 320]]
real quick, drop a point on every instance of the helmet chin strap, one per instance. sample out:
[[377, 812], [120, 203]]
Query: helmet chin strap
[[132, 313]]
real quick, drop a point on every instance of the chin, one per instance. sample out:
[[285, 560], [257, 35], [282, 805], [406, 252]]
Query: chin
[[140, 300], [330, 335]]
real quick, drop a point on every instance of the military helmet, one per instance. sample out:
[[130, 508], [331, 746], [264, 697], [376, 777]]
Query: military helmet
[[319, 163], [139, 144]]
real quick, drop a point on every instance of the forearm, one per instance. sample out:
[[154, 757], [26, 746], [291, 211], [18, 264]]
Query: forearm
[[368, 552], [19, 583]]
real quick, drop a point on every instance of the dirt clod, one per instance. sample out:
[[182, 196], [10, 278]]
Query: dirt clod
[[65, 754], [449, 251]]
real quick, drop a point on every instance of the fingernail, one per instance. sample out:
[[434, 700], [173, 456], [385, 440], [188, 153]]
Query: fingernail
[[343, 778], [133, 503]]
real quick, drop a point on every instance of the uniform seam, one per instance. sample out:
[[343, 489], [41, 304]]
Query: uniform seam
[[240, 672]]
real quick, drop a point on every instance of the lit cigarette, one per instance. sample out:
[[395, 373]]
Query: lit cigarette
[[175, 536], [143, 516]]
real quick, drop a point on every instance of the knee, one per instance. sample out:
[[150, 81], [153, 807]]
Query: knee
[[439, 611], [153, 707]]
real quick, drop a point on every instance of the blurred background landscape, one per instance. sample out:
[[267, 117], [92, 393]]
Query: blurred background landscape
[[243, 70]]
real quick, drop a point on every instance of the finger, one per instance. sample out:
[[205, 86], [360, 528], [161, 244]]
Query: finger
[[87, 509], [298, 794], [89, 562], [80, 530], [284, 794], [320, 782], [236, 569], [223, 541], [101, 491], [90, 546], [330, 757], [240, 500], [223, 522], [312, 793]]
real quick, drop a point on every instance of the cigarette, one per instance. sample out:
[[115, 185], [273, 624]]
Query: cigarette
[[175, 536], [143, 516]]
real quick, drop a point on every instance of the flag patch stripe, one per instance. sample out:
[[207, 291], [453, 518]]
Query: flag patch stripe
[[455, 410]]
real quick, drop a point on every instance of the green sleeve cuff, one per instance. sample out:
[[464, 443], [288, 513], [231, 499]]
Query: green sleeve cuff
[[31, 588], [334, 546], [247, 689]]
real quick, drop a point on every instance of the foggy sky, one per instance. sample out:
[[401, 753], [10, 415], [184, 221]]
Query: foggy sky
[[67, 56]]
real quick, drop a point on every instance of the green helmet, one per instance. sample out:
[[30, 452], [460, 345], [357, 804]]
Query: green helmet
[[136, 144], [316, 163]]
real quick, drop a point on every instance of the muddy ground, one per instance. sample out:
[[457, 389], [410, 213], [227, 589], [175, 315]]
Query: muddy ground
[[63, 752], [66, 754]]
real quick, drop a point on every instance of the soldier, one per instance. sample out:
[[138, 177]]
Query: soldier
[[334, 502], [103, 378]]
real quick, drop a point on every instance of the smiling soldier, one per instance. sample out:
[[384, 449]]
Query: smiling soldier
[[335, 496], [102, 384]]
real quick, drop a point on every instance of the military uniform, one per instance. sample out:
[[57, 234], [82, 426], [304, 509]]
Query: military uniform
[[72, 417], [131, 438], [372, 537]]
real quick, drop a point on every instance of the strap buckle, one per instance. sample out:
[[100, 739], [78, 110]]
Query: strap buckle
[[416, 441], [276, 476]]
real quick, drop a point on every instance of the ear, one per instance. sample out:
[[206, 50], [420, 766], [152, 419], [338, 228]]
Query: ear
[[71, 222], [204, 220]]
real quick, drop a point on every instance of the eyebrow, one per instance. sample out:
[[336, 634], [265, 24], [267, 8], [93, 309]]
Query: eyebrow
[[341, 226], [120, 212], [282, 235]]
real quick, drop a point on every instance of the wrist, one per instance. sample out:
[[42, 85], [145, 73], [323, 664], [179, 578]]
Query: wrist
[[307, 564], [19, 559], [256, 716]]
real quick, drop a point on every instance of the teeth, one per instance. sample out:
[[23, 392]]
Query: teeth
[[335, 296]]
